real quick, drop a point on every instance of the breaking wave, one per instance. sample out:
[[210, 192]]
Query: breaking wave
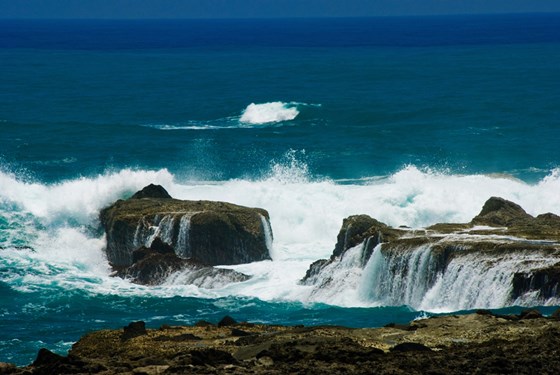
[[49, 236], [271, 113]]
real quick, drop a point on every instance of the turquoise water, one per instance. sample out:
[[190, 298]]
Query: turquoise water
[[410, 120]]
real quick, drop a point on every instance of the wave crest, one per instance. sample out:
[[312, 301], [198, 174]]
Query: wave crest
[[269, 112]]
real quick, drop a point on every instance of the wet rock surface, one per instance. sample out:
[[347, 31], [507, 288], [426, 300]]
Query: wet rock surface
[[212, 233], [158, 264], [481, 343], [502, 233], [152, 237]]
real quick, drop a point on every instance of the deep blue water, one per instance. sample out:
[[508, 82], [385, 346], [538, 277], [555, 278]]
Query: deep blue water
[[92, 110]]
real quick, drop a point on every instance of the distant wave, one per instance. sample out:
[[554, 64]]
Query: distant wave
[[270, 113]]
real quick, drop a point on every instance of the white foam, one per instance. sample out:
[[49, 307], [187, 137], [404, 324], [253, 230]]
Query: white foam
[[79, 199], [305, 214], [269, 112]]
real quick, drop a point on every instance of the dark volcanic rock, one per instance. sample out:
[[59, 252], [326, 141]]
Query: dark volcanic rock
[[500, 212], [213, 233], [155, 268], [315, 268], [355, 230], [545, 280], [152, 191], [466, 344], [46, 357], [522, 242], [133, 330], [227, 321]]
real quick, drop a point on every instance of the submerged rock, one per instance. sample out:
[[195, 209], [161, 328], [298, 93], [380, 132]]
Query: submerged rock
[[504, 256], [158, 263], [214, 233]]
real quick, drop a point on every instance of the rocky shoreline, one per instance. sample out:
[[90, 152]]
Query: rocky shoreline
[[478, 343], [152, 238]]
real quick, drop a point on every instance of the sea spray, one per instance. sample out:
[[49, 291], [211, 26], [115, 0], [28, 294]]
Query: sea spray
[[269, 112], [305, 215]]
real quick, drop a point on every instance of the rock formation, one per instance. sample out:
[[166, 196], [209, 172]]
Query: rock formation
[[503, 256], [151, 235], [159, 263], [476, 343]]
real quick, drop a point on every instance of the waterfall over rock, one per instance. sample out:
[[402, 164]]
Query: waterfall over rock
[[203, 232], [446, 267]]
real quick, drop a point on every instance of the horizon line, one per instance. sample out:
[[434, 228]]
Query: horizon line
[[273, 17]]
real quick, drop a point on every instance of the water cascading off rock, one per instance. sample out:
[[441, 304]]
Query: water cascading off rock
[[503, 257]]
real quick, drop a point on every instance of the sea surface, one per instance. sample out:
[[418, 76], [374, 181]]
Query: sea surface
[[413, 121]]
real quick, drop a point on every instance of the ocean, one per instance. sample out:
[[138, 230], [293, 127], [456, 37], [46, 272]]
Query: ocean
[[412, 120]]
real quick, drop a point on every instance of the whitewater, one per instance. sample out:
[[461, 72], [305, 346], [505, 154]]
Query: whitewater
[[412, 121], [51, 230]]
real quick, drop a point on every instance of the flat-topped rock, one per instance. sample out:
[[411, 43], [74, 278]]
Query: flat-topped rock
[[212, 233], [504, 256]]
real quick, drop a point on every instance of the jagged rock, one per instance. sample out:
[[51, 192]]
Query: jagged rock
[[530, 314], [46, 357], [500, 212], [152, 191], [355, 230], [213, 233], [315, 268], [227, 321]]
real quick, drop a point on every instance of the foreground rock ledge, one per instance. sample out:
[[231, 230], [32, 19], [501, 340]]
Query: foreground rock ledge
[[477, 343]]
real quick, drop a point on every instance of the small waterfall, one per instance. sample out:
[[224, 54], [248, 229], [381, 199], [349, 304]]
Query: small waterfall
[[400, 277], [267, 229], [476, 280], [139, 234], [147, 231], [416, 277], [338, 283], [163, 229], [182, 247]]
